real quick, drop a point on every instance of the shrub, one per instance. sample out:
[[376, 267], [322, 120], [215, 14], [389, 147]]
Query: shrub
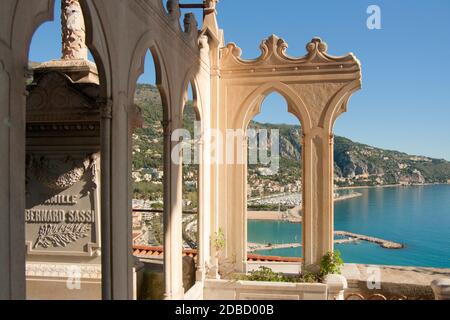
[[268, 275], [331, 263]]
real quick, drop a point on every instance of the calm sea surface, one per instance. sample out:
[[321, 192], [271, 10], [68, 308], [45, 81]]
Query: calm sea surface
[[418, 216]]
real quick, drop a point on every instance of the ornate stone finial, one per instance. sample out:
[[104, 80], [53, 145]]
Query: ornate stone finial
[[190, 23], [273, 44], [210, 18], [316, 45], [210, 6], [73, 31], [173, 7]]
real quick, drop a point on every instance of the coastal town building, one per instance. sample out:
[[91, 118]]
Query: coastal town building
[[71, 131]]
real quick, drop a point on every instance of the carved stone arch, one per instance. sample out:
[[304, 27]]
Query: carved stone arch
[[97, 43], [316, 87], [338, 104], [6, 60], [191, 79], [21, 35], [147, 42], [252, 105], [24, 18]]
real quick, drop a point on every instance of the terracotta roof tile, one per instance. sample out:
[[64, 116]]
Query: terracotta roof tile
[[149, 251]]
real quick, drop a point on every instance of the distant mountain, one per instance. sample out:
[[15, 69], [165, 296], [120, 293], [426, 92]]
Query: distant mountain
[[356, 164], [361, 164]]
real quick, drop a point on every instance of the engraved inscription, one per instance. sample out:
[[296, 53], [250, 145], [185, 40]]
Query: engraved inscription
[[61, 218]]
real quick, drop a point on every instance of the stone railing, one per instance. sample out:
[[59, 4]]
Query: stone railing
[[331, 289], [441, 289]]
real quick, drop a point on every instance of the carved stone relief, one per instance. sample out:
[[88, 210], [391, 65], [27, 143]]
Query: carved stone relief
[[73, 31], [62, 204]]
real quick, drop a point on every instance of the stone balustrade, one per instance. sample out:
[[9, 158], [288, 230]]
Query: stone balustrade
[[336, 284], [441, 289]]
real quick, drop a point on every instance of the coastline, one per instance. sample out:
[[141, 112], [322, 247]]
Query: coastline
[[293, 215], [393, 186], [273, 216]]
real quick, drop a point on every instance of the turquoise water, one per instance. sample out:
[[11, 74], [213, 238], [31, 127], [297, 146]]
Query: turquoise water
[[417, 216]]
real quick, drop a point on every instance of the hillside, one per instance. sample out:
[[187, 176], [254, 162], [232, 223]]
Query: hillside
[[356, 164]]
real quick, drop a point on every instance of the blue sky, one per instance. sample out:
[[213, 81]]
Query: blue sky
[[405, 101]]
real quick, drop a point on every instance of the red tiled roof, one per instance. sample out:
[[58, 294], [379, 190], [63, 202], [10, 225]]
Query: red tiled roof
[[259, 258], [148, 251]]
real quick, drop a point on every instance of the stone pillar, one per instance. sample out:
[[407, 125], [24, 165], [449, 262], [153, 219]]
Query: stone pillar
[[173, 216], [336, 285], [317, 197], [202, 241], [441, 289], [233, 257], [73, 31], [106, 106], [215, 43], [12, 177]]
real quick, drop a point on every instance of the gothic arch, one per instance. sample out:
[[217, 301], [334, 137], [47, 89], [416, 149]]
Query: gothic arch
[[191, 79], [252, 105], [25, 17], [316, 87], [338, 104], [21, 35], [96, 41], [147, 42]]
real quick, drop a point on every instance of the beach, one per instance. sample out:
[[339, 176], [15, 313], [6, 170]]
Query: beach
[[293, 215], [273, 216]]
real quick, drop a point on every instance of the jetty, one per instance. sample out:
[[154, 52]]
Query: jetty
[[252, 247], [348, 237], [353, 237]]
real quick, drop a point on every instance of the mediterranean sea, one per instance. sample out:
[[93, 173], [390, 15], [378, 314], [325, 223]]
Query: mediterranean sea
[[417, 216]]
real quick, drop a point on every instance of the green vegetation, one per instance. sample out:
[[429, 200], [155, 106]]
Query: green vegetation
[[148, 147], [268, 275], [331, 263], [147, 190]]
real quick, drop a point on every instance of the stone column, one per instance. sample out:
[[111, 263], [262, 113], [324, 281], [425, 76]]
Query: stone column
[[173, 218], [121, 258], [202, 241], [12, 178], [73, 31], [317, 197], [106, 106], [214, 168]]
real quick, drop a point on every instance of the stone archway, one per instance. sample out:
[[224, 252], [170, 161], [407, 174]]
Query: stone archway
[[23, 20], [317, 88]]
